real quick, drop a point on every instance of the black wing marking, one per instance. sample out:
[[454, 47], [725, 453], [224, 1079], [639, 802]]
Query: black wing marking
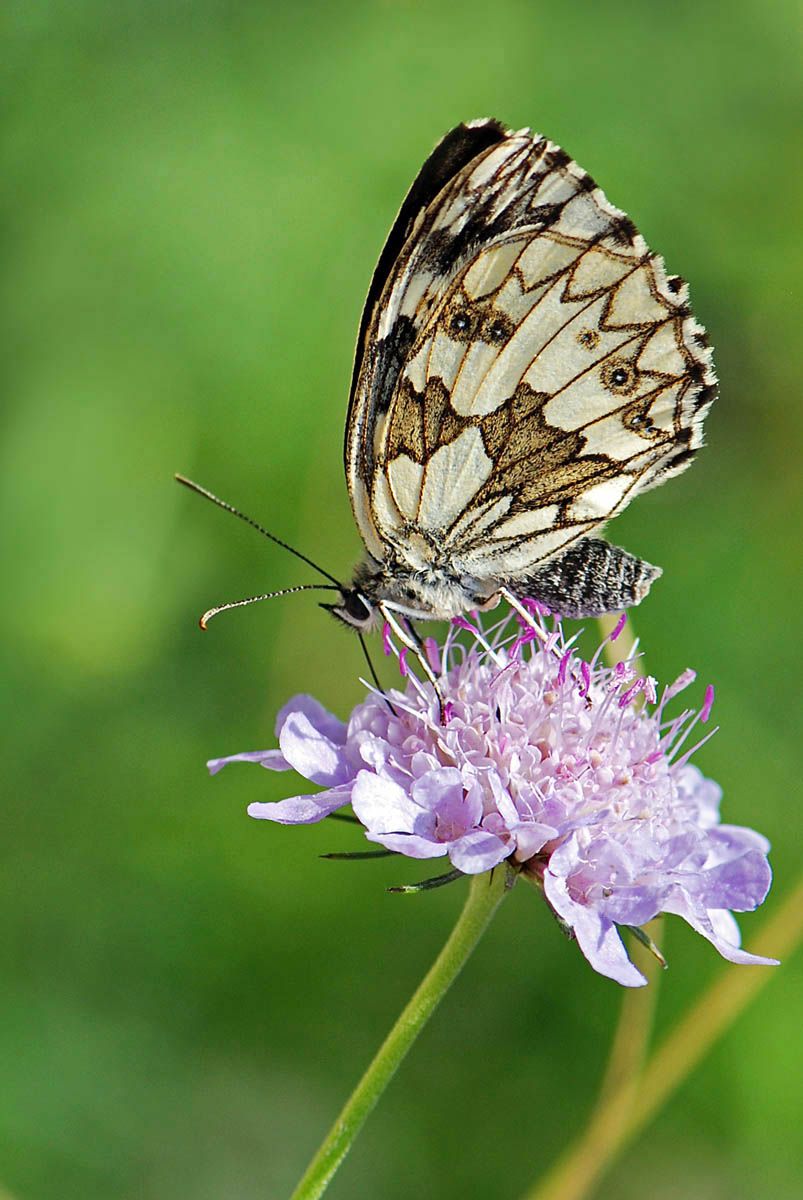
[[458, 148]]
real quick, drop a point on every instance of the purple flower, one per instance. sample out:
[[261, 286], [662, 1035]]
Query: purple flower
[[569, 771]]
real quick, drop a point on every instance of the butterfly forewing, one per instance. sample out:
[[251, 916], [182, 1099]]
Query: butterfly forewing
[[525, 367]]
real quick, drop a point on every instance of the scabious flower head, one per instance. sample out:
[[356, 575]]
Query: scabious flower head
[[570, 770]]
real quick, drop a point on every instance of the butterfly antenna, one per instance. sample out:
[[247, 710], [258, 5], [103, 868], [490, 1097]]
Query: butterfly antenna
[[301, 587], [202, 491]]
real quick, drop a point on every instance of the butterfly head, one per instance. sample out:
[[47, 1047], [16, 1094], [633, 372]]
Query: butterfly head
[[354, 609]]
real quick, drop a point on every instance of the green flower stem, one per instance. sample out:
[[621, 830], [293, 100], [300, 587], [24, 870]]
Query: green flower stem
[[485, 893]]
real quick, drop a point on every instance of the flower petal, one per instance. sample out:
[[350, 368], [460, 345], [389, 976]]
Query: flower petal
[[478, 851], [326, 723], [408, 844], [741, 884], [597, 937], [710, 926], [311, 752], [302, 810], [382, 805], [274, 760], [441, 790], [530, 837]]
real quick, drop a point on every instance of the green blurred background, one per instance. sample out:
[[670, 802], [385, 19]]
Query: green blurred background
[[194, 196]]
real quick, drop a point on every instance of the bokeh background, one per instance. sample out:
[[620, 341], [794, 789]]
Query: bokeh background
[[194, 195]]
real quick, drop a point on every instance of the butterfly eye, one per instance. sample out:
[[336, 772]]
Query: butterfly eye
[[619, 377], [356, 608]]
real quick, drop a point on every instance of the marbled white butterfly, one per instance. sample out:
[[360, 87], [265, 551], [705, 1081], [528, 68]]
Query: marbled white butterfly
[[524, 367]]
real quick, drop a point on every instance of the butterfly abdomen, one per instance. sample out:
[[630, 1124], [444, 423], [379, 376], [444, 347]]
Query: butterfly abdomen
[[590, 579]]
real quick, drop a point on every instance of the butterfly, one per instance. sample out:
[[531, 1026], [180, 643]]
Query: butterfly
[[524, 367]]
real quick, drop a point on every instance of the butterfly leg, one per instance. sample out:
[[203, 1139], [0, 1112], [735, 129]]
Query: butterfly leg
[[526, 616], [413, 642]]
